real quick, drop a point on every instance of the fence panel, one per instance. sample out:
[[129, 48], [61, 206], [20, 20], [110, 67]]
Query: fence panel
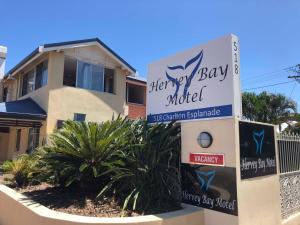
[[289, 165], [289, 152]]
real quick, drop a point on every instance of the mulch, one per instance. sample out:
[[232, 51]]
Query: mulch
[[72, 201]]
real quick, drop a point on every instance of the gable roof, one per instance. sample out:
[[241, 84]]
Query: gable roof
[[68, 44]]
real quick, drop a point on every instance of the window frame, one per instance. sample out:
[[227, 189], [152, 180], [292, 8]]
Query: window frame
[[18, 139], [92, 63], [127, 94], [46, 61], [32, 132], [114, 80], [27, 75], [79, 114], [4, 94], [34, 69]]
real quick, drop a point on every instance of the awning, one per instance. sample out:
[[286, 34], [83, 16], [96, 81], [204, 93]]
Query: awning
[[21, 113]]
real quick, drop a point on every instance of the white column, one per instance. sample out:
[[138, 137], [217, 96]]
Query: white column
[[3, 52]]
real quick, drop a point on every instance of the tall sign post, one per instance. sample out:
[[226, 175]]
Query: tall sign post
[[200, 88]]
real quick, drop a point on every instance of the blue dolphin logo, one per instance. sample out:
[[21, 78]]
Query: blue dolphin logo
[[198, 58], [258, 138], [205, 178]]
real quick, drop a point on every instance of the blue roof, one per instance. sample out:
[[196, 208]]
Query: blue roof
[[22, 109]]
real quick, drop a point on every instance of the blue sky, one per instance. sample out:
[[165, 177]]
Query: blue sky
[[143, 31]]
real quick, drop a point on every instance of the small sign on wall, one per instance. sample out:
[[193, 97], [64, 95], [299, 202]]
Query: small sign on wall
[[257, 150], [210, 187], [207, 159]]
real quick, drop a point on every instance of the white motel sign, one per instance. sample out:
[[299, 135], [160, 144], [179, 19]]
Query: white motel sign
[[200, 83]]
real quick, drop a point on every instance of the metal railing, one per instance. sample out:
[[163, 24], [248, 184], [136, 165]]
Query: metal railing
[[289, 152], [289, 162]]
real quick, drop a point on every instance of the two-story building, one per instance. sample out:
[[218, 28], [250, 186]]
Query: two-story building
[[80, 80]]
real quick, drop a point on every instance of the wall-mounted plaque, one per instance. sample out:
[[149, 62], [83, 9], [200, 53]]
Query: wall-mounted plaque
[[210, 187], [257, 150]]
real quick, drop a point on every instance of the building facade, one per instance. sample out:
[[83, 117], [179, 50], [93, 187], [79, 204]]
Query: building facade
[[78, 80]]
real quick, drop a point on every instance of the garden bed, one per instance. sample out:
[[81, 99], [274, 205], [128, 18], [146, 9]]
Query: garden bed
[[71, 201], [30, 213]]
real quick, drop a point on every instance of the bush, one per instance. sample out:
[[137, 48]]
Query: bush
[[83, 153], [149, 179], [22, 169], [133, 161]]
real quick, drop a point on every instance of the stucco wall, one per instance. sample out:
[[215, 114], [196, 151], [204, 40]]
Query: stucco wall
[[8, 142], [15, 209], [292, 220], [64, 101]]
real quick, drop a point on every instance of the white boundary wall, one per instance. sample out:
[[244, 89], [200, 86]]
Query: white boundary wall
[[16, 209]]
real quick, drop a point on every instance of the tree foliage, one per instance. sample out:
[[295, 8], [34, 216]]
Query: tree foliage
[[22, 169], [268, 107]]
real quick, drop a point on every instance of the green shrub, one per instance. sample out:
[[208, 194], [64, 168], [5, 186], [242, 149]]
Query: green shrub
[[83, 153], [149, 179], [22, 169], [133, 161]]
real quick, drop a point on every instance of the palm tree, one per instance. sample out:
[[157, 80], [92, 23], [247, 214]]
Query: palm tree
[[268, 107], [81, 153]]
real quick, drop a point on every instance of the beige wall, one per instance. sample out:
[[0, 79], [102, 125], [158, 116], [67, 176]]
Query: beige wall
[[15, 209], [64, 101], [8, 142], [258, 198], [223, 139]]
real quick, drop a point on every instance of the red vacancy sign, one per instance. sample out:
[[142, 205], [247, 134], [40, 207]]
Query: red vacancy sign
[[207, 159]]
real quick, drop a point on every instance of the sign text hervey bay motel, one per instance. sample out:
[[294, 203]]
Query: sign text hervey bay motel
[[197, 85]]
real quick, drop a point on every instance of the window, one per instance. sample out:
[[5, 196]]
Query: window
[[33, 139], [79, 117], [59, 124], [18, 139], [109, 80], [35, 79], [41, 77], [4, 94], [28, 83], [135, 94], [70, 72], [88, 76], [4, 129]]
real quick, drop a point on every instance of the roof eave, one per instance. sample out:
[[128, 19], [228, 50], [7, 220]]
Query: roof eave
[[28, 59], [70, 44], [87, 42]]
